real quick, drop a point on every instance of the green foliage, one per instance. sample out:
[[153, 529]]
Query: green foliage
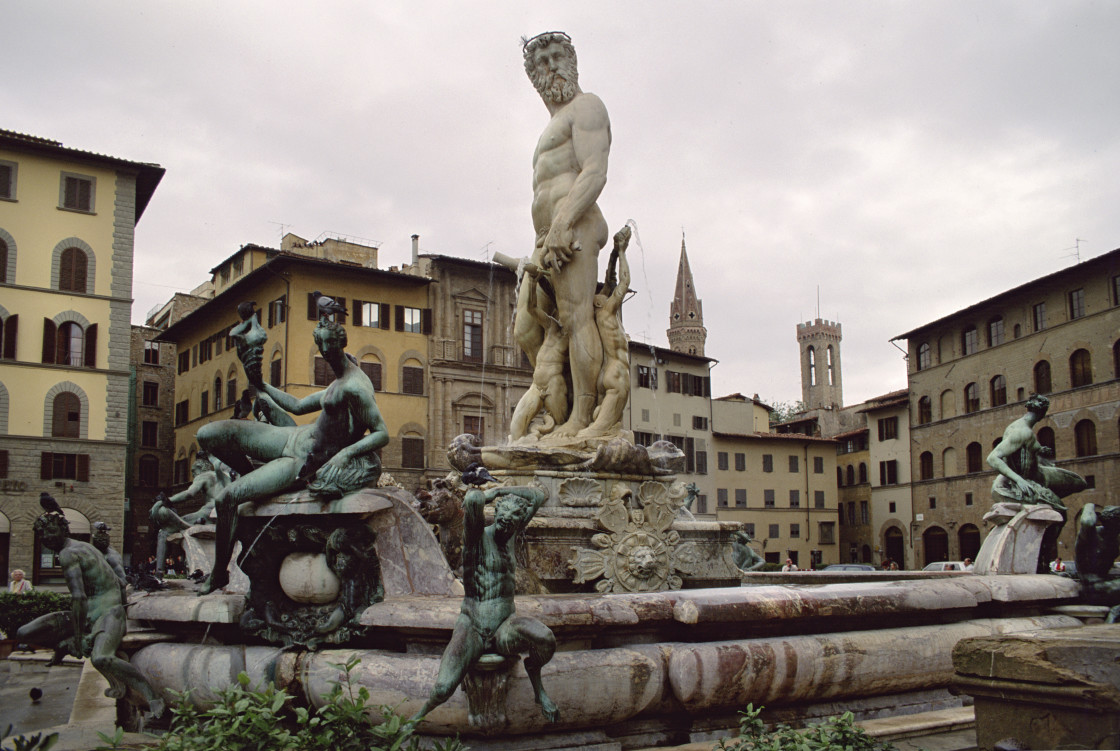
[[23, 743], [835, 734], [783, 411], [16, 610], [244, 719]]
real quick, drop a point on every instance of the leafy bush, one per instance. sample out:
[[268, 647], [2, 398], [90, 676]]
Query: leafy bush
[[835, 734], [36, 742], [244, 719], [16, 610]]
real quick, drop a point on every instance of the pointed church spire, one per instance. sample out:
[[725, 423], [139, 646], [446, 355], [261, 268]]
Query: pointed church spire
[[686, 315]]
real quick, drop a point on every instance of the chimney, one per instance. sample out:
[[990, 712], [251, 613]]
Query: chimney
[[415, 249]]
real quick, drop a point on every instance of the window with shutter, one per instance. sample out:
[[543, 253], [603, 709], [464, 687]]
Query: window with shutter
[[67, 416], [11, 327], [412, 380], [373, 371], [72, 265]]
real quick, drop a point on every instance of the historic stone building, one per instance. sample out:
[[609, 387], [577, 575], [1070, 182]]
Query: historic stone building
[[67, 222], [151, 437], [686, 331], [969, 375], [477, 372], [388, 327], [853, 480]]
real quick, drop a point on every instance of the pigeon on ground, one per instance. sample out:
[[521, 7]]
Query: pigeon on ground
[[476, 475], [328, 306], [49, 504], [35, 693]]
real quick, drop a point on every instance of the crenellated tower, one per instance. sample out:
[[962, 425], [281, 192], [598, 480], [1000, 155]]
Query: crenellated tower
[[820, 364], [686, 314]]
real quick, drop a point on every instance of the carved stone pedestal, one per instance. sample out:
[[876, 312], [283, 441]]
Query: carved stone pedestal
[[487, 686], [1056, 688], [1013, 546]]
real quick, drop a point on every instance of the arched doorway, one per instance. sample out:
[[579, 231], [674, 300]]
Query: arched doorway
[[895, 546], [969, 538], [47, 568], [865, 554], [935, 540]]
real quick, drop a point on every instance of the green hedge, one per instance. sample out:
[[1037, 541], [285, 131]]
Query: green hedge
[[16, 610]]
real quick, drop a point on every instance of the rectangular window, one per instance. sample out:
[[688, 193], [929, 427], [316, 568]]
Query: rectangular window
[[967, 499], [231, 391], [278, 311], [179, 471], [721, 497], [8, 180], [818, 465], [740, 497], [647, 377], [412, 380], [892, 507], [888, 473], [699, 423], [864, 513], [1116, 290], [412, 453], [371, 314], [851, 515], [767, 462], [645, 415], [768, 499], [472, 335], [701, 504], [795, 499], [4, 464], [276, 372], [183, 412], [794, 465], [54, 466], [151, 353], [676, 420], [826, 533], [472, 425], [701, 462], [373, 372], [184, 362], [995, 332], [149, 434], [151, 394], [672, 382], [774, 532], [324, 374], [204, 404], [933, 503], [748, 527], [740, 462], [888, 428], [970, 340], [721, 461], [795, 531], [1038, 314], [1076, 304], [76, 192], [410, 320], [818, 499], [643, 439]]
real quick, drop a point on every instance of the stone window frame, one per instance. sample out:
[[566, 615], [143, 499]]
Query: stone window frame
[[91, 264], [10, 266], [91, 179], [8, 192], [48, 408]]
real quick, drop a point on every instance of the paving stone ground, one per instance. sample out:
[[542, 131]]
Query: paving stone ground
[[59, 685]]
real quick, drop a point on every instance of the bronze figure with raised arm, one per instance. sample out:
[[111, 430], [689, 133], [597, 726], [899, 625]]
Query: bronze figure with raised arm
[[335, 453], [569, 172]]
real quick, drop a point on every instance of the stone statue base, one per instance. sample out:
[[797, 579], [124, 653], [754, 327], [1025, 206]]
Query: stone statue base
[[1013, 546]]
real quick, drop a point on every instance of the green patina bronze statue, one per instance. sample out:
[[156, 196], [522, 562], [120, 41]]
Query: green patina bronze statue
[[746, 557], [1095, 550], [487, 622], [208, 484], [334, 455], [96, 623]]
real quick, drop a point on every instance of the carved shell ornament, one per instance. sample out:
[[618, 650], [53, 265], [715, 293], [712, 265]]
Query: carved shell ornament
[[580, 492], [639, 553]]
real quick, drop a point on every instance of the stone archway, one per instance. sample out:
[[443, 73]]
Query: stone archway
[[894, 543], [935, 542], [969, 538]]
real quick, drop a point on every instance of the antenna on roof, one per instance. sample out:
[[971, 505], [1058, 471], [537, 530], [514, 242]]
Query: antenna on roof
[[282, 227], [818, 301], [1076, 254]]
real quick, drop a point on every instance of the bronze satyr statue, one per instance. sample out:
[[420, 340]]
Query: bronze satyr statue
[[208, 484], [487, 621], [335, 454], [746, 557], [96, 623]]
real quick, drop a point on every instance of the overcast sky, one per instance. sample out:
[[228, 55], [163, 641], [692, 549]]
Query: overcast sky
[[907, 158]]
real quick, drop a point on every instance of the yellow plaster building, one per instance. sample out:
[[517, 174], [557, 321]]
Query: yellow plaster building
[[388, 326], [67, 221]]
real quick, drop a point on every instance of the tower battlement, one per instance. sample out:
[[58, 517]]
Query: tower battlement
[[819, 329]]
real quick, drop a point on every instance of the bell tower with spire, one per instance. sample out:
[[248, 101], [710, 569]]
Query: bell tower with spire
[[686, 315]]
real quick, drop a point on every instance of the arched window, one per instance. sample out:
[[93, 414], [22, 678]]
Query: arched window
[[924, 360], [276, 370], [925, 410], [995, 331], [926, 465], [68, 344], [839, 477], [231, 388], [67, 416], [812, 366], [935, 540], [217, 393], [971, 398], [1085, 437], [862, 473], [969, 538], [948, 404], [975, 454], [72, 270], [149, 471], [831, 367], [970, 340], [1046, 438], [949, 462], [1018, 331], [1042, 384], [3, 262], [851, 475], [999, 391], [1080, 368]]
